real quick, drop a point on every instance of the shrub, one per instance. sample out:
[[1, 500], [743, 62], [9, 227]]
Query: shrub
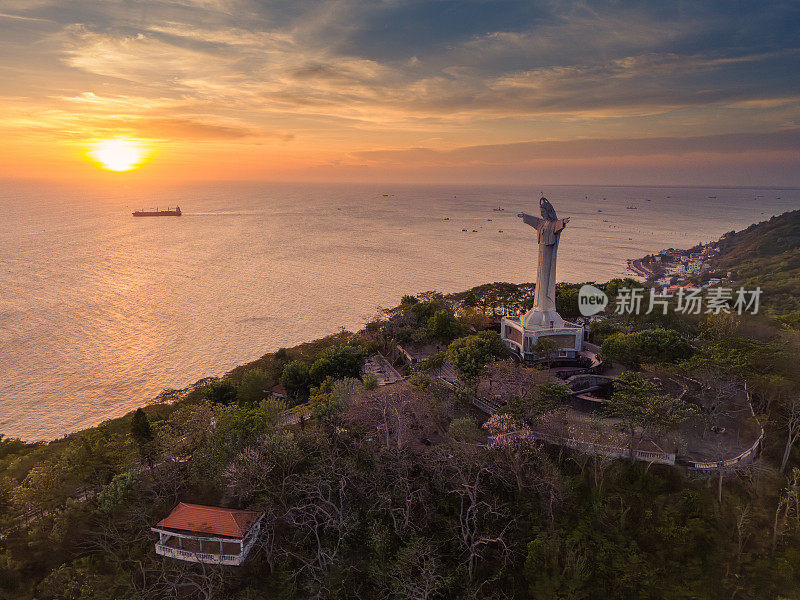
[[370, 381], [421, 380]]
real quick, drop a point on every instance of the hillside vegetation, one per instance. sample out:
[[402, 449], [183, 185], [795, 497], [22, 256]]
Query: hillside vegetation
[[407, 491], [767, 254]]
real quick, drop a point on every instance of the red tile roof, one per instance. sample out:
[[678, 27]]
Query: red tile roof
[[210, 519]]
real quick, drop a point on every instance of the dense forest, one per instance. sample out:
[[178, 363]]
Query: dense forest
[[401, 491]]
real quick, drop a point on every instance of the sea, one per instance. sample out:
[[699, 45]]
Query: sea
[[100, 311]]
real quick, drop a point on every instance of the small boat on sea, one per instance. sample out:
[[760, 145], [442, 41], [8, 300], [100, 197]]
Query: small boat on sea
[[159, 213], [498, 209]]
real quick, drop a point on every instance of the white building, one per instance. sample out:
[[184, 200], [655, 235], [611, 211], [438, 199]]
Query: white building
[[522, 334], [207, 534], [678, 269]]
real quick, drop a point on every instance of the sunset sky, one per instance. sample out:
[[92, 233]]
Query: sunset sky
[[367, 90]]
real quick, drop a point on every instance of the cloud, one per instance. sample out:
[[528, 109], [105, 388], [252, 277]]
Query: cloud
[[355, 75], [172, 128], [522, 152]]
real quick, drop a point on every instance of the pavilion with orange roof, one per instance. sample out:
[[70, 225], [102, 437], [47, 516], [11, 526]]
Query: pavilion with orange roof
[[207, 534]]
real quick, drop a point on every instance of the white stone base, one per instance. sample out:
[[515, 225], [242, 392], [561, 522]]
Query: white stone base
[[522, 339]]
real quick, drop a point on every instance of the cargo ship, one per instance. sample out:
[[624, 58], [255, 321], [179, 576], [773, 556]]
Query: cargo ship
[[159, 213]]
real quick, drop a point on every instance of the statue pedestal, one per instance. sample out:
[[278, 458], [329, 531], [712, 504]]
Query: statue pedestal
[[536, 318], [521, 338], [521, 335]]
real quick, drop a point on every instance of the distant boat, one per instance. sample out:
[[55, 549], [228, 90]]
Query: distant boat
[[463, 230], [447, 218], [499, 231], [632, 207], [498, 209], [159, 213]]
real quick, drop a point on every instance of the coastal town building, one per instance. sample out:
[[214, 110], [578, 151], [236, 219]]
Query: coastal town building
[[522, 333], [207, 534], [678, 269]]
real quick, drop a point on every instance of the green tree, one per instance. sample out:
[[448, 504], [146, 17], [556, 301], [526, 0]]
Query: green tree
[[662, 345], [296, 379], [620, 347], [143, 435], [557, 568], [140, 427], [567, 302], [643, 409], [220, 392], [544, 348], [337, 362], [444, 327], [545, 398], [469, 355], [424, 311], [421, 380], [465, 429], [253, 387], [647, 346]]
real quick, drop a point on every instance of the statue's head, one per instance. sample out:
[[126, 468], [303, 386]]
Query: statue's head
[[548, 212]]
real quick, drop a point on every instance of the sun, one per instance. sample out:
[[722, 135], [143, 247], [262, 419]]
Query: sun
[[119, 154]]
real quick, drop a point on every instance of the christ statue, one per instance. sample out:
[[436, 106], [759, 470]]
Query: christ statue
[[549, 228]]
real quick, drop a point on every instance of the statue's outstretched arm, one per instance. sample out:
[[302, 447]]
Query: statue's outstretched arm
[[530, 220], [560, 224]]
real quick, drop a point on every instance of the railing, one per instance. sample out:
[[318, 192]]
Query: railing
[[748, 455], [202, 557], [714, 465], [486, 407], [663, 458]]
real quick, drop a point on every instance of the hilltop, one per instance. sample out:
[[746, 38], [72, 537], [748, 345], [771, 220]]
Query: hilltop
[[379, 478], [767, 255]]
